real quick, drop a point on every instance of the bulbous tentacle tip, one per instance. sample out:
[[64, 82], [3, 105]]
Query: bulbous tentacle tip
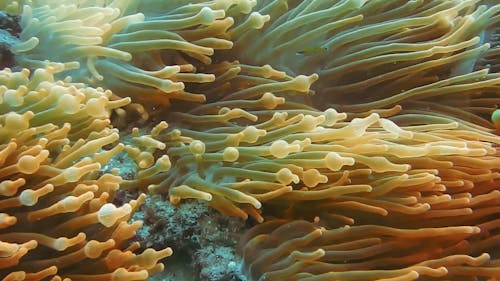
[[495, 118]]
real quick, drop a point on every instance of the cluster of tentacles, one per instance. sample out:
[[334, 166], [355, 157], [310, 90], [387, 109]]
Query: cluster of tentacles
[[361, 136]]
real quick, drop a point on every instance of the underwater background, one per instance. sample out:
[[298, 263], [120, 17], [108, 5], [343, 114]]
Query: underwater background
[[250, 140]]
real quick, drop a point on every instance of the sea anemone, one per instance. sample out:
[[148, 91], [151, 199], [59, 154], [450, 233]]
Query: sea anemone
[[57, 217], [360, 137]]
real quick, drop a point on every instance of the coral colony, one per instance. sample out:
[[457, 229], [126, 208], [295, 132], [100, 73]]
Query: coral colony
[[359, 139]]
